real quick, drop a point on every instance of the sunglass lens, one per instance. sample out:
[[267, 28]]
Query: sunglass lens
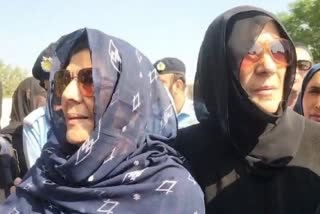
[[280, 51], [86, 82], [61, 79], [255, 52]]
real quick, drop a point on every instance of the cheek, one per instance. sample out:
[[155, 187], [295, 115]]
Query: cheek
[[63, 105], [307, 104], [246, 72], [281, 76], [89, 101]]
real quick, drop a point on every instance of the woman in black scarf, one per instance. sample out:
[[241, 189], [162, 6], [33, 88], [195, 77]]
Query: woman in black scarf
[[250, 153], [308, 101], [107, 151], [28, 96]]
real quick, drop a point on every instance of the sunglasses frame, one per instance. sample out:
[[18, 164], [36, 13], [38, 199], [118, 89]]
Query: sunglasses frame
[[309, 62], [266, 47], [63, 83]]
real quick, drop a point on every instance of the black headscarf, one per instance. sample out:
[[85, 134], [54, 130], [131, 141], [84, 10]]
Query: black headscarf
[[217, 87], [28, 96], [125, 166], [314, 69]]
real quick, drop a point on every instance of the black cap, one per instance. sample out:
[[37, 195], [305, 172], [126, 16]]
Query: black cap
[[42, 66], [170, 65]]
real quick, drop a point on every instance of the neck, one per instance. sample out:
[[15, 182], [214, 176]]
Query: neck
[[179, 102], [292, 99]]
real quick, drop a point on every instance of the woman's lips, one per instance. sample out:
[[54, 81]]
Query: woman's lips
[[76, 118], [264, 90], [315, 117]]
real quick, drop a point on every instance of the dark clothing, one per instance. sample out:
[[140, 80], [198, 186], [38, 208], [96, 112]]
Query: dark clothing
[[232, 185], [245, 159], [8, 167], [27, 97]]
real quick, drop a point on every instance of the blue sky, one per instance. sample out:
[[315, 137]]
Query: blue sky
[[157, 28]]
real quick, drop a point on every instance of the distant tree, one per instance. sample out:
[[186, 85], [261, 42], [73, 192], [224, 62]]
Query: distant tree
[[10, 78], [303, 24]]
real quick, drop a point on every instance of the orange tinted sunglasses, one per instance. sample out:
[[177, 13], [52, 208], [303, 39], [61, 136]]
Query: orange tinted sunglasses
[[279, 50], [84, 79]]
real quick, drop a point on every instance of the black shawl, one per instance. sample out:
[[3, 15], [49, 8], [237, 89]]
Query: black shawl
[[28, 96], [243, 157]]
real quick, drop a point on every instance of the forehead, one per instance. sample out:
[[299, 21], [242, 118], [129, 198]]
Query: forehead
[[315, 80], [269, 32], [165, 77], [302, 54], [79, 60]]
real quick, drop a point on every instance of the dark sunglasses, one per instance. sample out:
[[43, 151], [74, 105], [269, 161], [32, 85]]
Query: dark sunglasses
[[279, 50], [304, 65], [84, 79]]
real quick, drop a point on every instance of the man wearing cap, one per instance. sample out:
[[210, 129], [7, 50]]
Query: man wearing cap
[[172, 75], [36, 125]]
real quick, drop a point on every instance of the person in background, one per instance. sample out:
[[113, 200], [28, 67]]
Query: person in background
[[308, 103], [28, 96], [36, 125], [304, 63], [9, 168], [107, 151], [172, 75]]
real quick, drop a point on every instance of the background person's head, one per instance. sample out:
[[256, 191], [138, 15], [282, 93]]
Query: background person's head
[[308, 103], [172, 75], [27, 97], [304, 63], [43, 64]]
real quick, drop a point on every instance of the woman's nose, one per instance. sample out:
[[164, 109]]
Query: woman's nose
[[270, 66], [71, 92]]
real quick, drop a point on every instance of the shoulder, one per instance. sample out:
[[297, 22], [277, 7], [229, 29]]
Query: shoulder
[[200, 143], [187, 116], [34, 116], [204, 132], [308, 153]]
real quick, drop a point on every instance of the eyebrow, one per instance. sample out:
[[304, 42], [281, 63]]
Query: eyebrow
[[314, 87]]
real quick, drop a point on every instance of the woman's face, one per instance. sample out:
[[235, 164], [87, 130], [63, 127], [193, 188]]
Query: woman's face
[[262, 70], [311, 98], [77, 109]]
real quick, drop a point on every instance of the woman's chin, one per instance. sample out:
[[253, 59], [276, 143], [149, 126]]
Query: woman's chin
[[77, 137], [268, 106]]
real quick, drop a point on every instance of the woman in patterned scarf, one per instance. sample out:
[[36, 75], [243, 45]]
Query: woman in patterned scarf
[[107, 151]]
